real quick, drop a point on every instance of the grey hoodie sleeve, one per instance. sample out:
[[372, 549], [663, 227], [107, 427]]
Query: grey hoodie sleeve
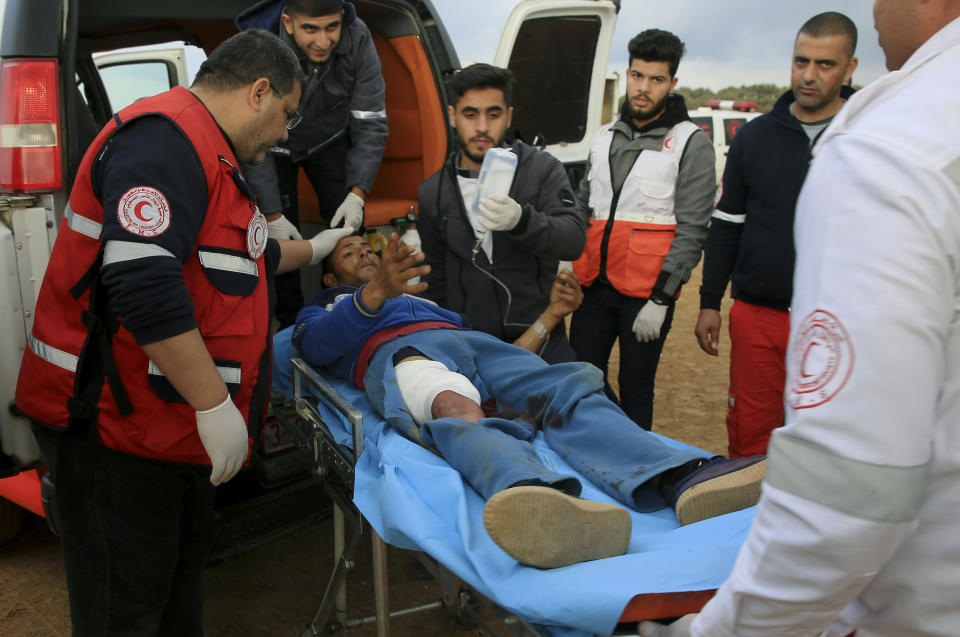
[[696, 189], [368, 117], [263, 180]]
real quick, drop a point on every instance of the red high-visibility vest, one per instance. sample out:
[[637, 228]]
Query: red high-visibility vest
[[227, 285]]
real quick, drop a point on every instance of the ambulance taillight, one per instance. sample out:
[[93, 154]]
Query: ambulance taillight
[[30, 153]]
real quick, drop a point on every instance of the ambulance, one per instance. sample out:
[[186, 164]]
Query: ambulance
[[66, 67]]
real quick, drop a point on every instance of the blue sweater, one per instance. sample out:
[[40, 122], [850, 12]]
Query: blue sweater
[[332, 330]]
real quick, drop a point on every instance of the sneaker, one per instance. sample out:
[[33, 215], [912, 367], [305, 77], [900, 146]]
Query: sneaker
[[545, 528], [722, 485]]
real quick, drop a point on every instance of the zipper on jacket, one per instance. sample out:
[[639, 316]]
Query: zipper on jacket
[[605, 241]]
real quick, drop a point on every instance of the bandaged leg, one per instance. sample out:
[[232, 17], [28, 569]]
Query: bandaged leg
[[421, 380]]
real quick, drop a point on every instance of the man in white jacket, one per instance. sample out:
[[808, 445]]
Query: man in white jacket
[[857, 525]]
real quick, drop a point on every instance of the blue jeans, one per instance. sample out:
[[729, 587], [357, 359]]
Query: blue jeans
[[565, 400]]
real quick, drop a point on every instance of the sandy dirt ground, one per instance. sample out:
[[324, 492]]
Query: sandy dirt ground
[[275, 589]]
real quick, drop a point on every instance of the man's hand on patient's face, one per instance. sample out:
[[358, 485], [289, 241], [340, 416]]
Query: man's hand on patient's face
[[398, 265]]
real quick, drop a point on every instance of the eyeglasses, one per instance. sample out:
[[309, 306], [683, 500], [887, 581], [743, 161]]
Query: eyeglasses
[[294, 118]]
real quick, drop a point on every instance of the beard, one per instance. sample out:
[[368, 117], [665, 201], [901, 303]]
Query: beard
[[648, 113], [814, 103], [259, 154], [465, 147]]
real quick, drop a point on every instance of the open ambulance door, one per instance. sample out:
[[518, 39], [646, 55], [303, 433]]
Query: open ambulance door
[[130, 74], [558, 52]]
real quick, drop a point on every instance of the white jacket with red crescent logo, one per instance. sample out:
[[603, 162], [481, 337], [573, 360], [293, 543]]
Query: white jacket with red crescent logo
[[860, 512]]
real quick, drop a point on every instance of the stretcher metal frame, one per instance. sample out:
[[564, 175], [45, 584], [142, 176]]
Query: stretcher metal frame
[[336, 464]]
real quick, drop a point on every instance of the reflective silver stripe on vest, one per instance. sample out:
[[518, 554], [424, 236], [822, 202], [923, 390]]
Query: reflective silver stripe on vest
[[726, 216], [52, 355], [81, 224], [369, 114], [882, 493], [118, 251], [227, 262], [228, 374]]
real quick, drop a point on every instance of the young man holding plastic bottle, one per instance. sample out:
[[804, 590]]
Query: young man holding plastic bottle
[[494, 258]]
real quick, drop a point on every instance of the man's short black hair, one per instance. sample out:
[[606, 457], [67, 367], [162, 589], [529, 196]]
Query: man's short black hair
[[312, 8], [326, 264], [246, 57], [830, 23], [483, 76], [657, 45]]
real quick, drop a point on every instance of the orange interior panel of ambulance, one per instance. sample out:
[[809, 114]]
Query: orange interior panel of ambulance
[[417, 143]]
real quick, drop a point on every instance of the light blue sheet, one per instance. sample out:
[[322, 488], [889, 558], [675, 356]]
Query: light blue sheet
[[415, 500]]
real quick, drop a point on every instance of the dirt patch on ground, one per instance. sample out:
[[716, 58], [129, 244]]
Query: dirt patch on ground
[[276, 589]]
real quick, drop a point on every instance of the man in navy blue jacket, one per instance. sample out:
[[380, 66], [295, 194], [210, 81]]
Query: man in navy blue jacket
[[340, 141], [426, 373], [750, 241]]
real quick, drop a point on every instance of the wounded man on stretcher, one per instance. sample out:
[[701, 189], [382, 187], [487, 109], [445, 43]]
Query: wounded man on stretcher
[[427, 374]]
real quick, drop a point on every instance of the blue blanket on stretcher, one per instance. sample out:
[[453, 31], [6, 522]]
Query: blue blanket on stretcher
[[415, 500]]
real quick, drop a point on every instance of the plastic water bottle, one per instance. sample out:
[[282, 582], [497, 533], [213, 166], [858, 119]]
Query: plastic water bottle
[[496, 177]]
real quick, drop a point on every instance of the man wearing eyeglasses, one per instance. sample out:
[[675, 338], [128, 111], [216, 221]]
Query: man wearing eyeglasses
[[147, 371], [339, 142]]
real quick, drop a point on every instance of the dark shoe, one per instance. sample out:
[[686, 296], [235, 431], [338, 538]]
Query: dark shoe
[[723, 485], [542, 527]]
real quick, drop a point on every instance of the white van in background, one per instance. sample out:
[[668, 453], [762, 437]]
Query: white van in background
[[721, 122]]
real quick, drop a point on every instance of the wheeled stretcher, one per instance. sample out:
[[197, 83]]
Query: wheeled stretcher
[[411, 498]]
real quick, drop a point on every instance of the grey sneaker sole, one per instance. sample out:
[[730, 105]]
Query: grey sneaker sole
[[724, 494], [545, 528]]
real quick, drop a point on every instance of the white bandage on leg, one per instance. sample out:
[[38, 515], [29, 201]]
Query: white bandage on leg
[[421, 380]]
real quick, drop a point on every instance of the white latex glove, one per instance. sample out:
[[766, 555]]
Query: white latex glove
[[223, 433], [324, 242], [679, 628], [649, 321], [499, 212], [350, 212], [282, 229]]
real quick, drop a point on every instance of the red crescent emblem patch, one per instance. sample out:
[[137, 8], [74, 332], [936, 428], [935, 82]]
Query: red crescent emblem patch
[[256, 235], [670, 144], [822, 360], [144, 211]]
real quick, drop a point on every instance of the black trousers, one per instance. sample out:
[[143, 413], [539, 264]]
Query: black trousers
[[327, 172], [135, 535], [604, 316]]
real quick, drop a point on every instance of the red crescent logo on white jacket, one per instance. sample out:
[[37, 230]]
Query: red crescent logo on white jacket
[[822, 360], [670, 144]]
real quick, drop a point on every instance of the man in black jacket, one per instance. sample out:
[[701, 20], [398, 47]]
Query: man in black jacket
[[750, 241], [496, 265], [339, 142]]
